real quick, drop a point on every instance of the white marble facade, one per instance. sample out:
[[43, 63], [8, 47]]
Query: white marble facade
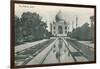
[[59, 26]]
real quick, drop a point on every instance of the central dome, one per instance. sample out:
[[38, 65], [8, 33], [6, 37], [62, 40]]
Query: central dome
[[58, 16]]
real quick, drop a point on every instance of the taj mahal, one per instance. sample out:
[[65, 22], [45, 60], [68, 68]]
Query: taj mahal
[[59, 27]]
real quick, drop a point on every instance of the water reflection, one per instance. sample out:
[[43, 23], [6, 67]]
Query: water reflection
[[58, 49]]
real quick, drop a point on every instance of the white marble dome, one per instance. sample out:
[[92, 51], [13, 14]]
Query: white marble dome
[[59, 16]]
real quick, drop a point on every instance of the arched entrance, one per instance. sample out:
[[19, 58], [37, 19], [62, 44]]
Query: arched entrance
[[60, 30]]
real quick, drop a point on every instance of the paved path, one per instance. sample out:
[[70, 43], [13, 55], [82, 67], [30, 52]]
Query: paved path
[[60, 51], [28, 45], [78, 58], [39, 58], [87, 43], [82, 49]]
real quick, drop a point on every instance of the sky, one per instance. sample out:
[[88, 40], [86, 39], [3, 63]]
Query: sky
[[48, 13]]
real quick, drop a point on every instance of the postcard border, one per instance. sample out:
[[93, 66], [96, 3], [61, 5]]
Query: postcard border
[[12, 33]]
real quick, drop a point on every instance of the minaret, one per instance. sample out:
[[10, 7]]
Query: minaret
[[92, 27], [50, 27], [76, 21], [72, 25]]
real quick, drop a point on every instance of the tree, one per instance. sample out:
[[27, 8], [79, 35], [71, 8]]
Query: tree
[[30, 27], [85, 32], [82, 33], [18, 31]]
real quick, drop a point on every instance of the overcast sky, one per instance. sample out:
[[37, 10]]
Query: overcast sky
[[48, 13]]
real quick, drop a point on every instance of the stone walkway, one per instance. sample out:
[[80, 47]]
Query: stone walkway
[[28, 45]]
